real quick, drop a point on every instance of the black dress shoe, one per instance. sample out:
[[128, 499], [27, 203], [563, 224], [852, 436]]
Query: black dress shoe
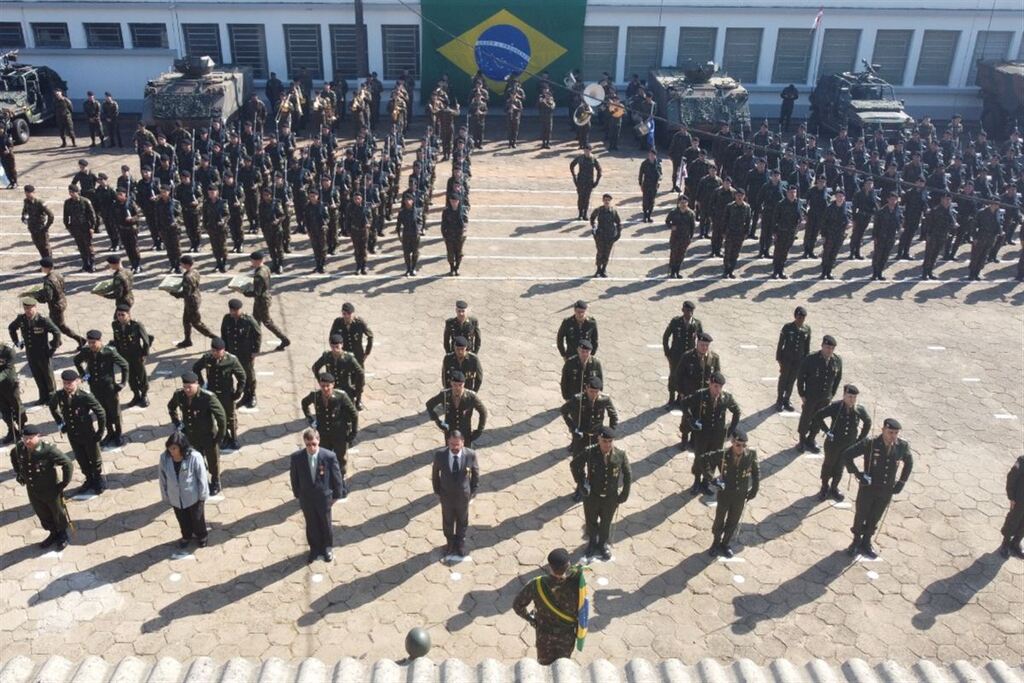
[[867, 551], [1004, 549], [713, 550], [144, 401], [328, 556], [606, 553], [577, 496], [812, 447], [61, 542], [214, 489], [789, 407], [705, 489], [312, 556], [727, 551], [52, 538], [285, 343], [1015, 550], [184, 344], [836, 495], [183, 543], [823, 493], [853, 548]]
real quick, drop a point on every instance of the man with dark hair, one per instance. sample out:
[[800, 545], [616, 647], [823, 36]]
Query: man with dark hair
[[737, 482], [316, 482], [455, 476], [602, 472]]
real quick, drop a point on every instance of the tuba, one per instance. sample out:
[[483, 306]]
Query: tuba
[[569, 80], [582, 115]]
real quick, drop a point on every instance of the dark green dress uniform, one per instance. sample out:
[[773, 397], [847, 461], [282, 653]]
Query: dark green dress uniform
[[576, 375], [80, 220], [353, 335], [682, 223], [214, 217], [793, 347], [11, 410], [1013, 525], [584, 418], [337, 420], [133, 343], [74, 414], [36, 470], [571, 333], [38, 217], [737, 218], [458, 414], [939, 224], [554, 618], [469, 366], [41, 340], [242, 337], [261, 303], [849, 425], [605, 481], [204, 422], [692, 373], [705, 417], [817, 384], [348, 375], [271, 217], [100, 369], [679, 338], [226, 379], [606, 227], [586, 174], [191, 317], [741, 477], [468, 328], [55, 299], [453, 230], [881, 463], [122, 292]]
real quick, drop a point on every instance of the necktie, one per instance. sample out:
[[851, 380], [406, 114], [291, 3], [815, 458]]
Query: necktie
[[455, 464], [312, 466]]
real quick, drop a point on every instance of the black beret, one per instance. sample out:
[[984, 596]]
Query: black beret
[[123, 308], [337, 339], [89, 93], [234, 304], [457, 376], [705, 337], [828, 340], [717, 378], [586, 344], [739, 435], [326, 377], [187, 260], [30, 188], [72, 188], [607, 432], [580, 303], [46, 262], [266, 189], [189, 377], [102, 176], [558, 559], [461, 304], [800, 310], [892, 423], [185, 172], [739, 190], [348, 308], [114, 259], [689, 305], [217, 344], [461, 341], [256, 256], [94, 335], [595, 382], [30, 430], [69, 376], [83, 162], [850, 389]]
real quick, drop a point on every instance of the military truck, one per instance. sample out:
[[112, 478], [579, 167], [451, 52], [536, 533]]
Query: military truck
[[695, 94], [26, 94], [860, 100], [195, 93], [1002, 94]]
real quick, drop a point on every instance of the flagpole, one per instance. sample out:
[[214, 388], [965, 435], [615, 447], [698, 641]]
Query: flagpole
[[817, 44]]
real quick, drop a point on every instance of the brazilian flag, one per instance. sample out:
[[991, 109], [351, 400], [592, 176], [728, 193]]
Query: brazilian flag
[[582, 611], [499, 39]]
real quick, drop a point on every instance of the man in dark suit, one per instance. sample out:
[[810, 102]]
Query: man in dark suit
[[316, 482], [455, 477]]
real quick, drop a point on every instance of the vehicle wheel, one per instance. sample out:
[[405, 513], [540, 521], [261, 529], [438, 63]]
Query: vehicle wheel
[[20, 131]]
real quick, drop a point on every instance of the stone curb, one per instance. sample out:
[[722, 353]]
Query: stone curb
[[240, 670]]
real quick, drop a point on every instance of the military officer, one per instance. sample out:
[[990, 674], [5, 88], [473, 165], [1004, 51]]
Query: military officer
[[316, 220], [788, 216], [11, 410], [242, 338], [648, 178], [453, 229], [335, 417], [53, 296], [1013, 525], [694, 371], [555, 599], [584, 415], [213, 216], [344, 368], [271, 216], [606, 227], [579, 369], [191, 316], [879, 481], [225, 378], [465, 361], [704, 415], [106, 371], [408, 229], [462, 325], [133, 343], [73, 410], [261, 294], [737, 218], [939, 224], [601, 472], [575, 328], [38, 218], [887, 223], [203, 421], [682, 223], [36, 464], [357, 337], [586, 174], [820, 376], [794, 345], [679, 338], [80, 221], [737, 482], [987, 230], [122, 283], [850, 423], [40, 338], [457, 405], [62, 115], [834, 223]]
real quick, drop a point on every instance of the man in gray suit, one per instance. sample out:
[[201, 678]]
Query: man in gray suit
[[455, 477], [316, 482]]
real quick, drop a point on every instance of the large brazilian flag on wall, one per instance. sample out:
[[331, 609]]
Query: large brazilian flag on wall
[[500, 38]]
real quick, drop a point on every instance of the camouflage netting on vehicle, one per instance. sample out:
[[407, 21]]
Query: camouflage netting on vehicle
[[173, 104], [698, 110]]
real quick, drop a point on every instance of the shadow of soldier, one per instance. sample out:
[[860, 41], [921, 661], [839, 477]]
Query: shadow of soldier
[[615, 603], [952, 593], [790, 595]]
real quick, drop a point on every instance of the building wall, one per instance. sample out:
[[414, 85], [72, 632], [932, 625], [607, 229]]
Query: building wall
[[125, 72]]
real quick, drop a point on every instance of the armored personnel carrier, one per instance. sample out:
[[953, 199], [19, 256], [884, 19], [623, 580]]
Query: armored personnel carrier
[[195, 93], [860, 100], [1002, 94], [26, 94], [696, 95]]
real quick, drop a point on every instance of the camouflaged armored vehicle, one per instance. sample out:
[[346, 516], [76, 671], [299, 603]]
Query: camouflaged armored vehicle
[[860, 100], [696, 95], [1002, 94], [26, 94], [196, 93]]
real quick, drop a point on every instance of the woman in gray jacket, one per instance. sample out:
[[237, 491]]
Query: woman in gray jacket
[[184, 484]]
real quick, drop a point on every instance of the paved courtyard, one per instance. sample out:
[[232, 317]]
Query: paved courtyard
[[943, 357]]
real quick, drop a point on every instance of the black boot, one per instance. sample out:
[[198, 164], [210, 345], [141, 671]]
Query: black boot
[[1015, 548], [811, 446], [696, 486], [823, 493], [867, 551], [715, 543], [854, 547], [1004, 548], [835, 495]]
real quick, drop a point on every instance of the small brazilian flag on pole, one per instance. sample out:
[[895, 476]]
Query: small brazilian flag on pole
[[583, 613]]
